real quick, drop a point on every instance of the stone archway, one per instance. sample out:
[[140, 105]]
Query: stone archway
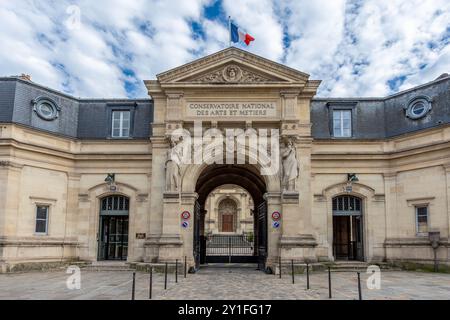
[[248, 178], [370, 206]]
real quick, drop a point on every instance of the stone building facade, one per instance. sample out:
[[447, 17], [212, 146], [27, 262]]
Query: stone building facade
[[85, 179], [229, 209]]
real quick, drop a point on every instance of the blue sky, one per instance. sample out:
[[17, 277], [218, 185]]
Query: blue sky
[[106, 48]]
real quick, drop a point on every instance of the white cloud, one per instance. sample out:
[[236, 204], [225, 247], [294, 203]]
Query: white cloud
[[355, 46]]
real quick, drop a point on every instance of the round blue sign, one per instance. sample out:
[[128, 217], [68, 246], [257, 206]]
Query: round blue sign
[[185, 224], [276, 224]]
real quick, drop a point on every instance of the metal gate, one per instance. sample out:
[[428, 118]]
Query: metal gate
[[261, 235], [197, 238], [223, 248], [230, 249]]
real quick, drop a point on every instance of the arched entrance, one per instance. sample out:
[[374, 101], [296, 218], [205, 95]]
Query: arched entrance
[[235, 248], [348, 228], [113, 228]]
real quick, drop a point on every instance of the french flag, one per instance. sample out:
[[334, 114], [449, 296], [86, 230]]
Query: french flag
[[238, 35]]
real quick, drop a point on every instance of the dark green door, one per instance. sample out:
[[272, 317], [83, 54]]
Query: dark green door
[[114, 238], [113, 228]]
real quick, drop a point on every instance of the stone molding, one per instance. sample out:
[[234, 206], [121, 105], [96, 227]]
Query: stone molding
[[412, 242], [300, 241], [232, 54]]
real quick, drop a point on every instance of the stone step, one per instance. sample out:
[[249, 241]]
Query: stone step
[[108, 266]]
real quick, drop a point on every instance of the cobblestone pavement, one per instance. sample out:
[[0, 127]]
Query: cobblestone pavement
[[223, 284]]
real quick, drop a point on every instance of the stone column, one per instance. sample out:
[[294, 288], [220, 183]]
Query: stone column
[[10, 179], [71, 229], [447, 174], [187, 204], [171, 242], [273, 235], [297, 240], [11, 176], [390, 190], [159, 153]]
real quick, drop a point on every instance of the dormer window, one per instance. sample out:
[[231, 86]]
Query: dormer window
[[418, 107], [46, 108], [121, 124], [342, 123]]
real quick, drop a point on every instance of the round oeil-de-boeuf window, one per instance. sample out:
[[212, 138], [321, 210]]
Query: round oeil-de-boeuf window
[[46, 109], [418, 108]]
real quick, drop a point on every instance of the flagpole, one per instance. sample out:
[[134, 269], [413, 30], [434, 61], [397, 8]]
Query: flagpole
[[229, 29]]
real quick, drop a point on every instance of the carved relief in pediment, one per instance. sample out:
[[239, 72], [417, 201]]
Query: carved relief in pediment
[[232, 74]]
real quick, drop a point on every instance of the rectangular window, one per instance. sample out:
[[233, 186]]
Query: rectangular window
[[41, 219], [422, 220], [342, 123], [121, 124]]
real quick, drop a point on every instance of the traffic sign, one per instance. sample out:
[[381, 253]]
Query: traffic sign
[[186, 215], [276, 216]]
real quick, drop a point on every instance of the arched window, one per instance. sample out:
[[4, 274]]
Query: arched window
[[227, 215], [115, 205], [347, 206]]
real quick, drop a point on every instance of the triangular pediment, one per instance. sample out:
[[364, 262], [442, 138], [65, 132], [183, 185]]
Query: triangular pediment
[[233, 66]]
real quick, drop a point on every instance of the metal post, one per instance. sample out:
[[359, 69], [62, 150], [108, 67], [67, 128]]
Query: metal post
[[176, 271], [229, 250], [185, 266], [133, 288], [436, 265], [279, 265], [165, 277], [359, 286], [329, 283], [292, 270], [151, 284], [307, 276]]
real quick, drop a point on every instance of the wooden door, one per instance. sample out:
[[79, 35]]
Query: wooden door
[[341, 235], [227, 223]]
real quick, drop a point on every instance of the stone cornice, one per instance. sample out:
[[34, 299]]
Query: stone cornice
[[227, 55], [231, 55]]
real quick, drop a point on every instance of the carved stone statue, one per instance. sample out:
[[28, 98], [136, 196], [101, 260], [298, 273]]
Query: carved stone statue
[[173, 171], [290, 166]]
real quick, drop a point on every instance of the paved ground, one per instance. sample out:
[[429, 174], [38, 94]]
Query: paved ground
[[223, 283]]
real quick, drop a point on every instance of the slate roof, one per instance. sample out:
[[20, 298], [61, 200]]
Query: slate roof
[[373, 118], [79, 118]]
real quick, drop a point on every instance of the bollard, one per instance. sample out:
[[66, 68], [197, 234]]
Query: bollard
[[176, 271], [165, 277], [292, 270], [279, 265], [329, 283], [307, 276], [229, 250], [185, 266], [133, 288], [359, 286], [151, 284]]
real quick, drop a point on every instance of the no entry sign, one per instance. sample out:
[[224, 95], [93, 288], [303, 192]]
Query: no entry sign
[[276, 216], [186, 215]]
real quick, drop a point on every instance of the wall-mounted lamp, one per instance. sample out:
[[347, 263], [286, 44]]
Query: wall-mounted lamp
[[351, 177]]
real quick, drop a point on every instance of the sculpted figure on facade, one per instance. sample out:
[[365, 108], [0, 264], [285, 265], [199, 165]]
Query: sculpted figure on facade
[[173, 166], [289, 165], [232, 73]]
